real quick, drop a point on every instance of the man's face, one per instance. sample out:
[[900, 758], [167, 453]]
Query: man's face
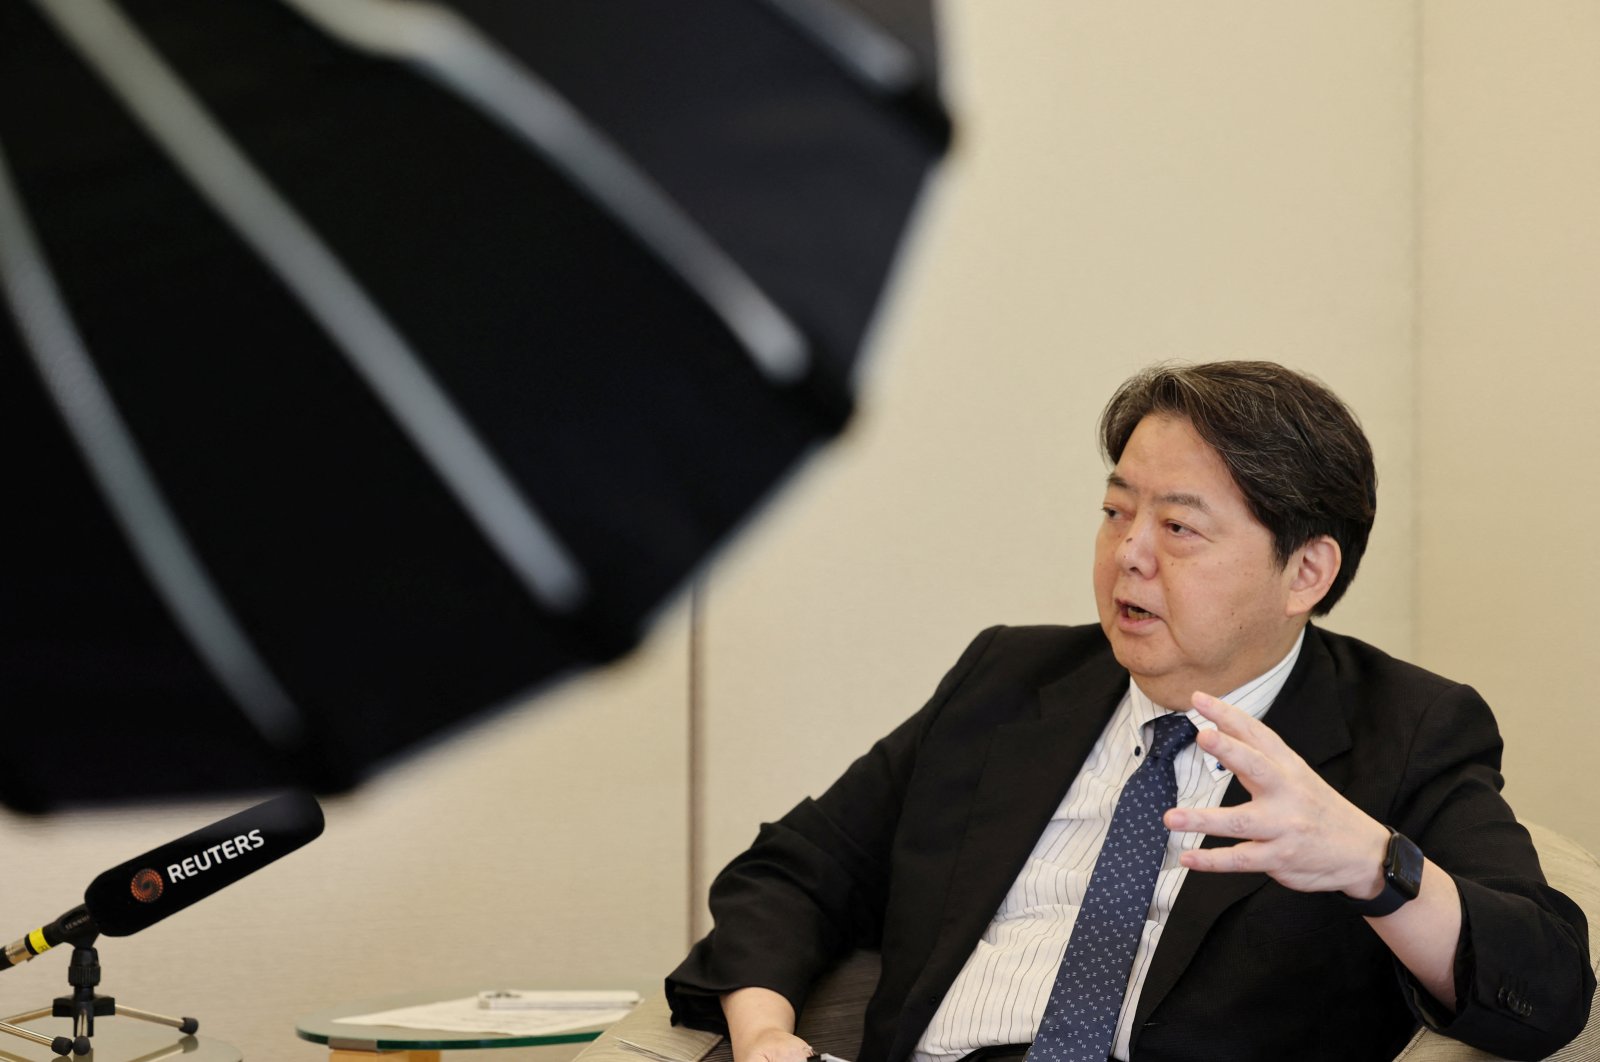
[[1188, 590]]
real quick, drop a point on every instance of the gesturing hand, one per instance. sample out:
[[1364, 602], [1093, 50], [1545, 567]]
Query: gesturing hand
[[1295, 828]]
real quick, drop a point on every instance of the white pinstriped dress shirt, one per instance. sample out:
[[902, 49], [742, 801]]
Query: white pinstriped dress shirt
[[999, 995]]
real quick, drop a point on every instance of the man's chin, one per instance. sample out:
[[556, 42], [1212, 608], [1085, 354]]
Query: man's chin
[[1142, 653]]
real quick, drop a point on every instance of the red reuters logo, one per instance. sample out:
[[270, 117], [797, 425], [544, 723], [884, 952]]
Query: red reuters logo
[[147, 886]]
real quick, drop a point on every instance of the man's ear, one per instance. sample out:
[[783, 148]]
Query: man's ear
[[1312, 570]]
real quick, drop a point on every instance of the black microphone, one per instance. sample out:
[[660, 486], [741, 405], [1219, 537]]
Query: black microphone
[[148, 888], [144, 890], [74, 925]]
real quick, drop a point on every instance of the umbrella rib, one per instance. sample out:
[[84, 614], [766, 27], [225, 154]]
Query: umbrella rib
[[152, 529], [863, 49], [374, 347], [459, 56]]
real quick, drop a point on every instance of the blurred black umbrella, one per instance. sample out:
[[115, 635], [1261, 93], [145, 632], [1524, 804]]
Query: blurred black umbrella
[[367, 363]]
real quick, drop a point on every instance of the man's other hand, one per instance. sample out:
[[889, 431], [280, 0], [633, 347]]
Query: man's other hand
[[760, 1026], [773, 1045]]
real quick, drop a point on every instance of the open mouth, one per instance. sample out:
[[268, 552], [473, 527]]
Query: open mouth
[[1134, 612]]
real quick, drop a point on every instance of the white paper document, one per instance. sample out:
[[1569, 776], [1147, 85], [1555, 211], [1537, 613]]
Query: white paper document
[[534, 1013]]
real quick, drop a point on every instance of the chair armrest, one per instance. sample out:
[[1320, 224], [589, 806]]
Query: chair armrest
[[831, 1022], [650, 1027]]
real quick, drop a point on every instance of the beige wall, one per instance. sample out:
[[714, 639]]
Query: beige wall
[[1146, 179], [1509, 367]]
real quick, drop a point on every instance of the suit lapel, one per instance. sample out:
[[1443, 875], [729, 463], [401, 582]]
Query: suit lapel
[[1028, 768], [1308, 716]]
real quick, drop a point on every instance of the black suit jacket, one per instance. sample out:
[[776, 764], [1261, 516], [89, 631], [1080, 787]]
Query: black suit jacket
[[913, 849]]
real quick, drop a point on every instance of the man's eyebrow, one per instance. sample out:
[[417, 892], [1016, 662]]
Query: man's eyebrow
[[1188, 501]]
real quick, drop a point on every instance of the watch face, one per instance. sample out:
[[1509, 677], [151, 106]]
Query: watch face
[[1403, 867]]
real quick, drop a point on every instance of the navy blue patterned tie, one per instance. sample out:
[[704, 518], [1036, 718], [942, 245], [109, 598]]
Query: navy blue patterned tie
[[1080, 1020]]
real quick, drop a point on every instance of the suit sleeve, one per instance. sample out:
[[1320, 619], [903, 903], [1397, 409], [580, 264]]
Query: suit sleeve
[[814, 884], [1523, 974]]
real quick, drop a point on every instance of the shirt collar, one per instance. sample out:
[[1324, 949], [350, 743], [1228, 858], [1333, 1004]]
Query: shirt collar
[[1255, 697]]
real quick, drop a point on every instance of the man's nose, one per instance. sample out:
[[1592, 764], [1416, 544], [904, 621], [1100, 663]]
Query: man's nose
[[1135, 553]]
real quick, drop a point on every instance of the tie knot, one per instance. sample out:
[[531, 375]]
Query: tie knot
[[1173, 732]]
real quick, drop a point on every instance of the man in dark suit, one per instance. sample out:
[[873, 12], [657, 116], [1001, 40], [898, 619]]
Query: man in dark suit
[[1339, 866]]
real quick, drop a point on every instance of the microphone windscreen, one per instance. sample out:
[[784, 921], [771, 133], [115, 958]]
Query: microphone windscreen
[[148, 888]]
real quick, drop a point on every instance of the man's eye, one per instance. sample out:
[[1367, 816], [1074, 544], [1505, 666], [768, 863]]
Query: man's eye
[[1178, 529]]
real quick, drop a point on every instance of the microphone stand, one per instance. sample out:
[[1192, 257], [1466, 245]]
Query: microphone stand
[[84, 1005]]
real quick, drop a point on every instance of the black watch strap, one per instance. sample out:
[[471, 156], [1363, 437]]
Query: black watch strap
[[1402, 878]]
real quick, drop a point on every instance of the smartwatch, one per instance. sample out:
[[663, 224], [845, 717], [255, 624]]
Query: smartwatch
[[1402, 878]]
